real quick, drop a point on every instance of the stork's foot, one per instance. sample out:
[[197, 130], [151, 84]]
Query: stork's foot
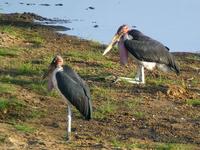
[[68, 137], [130, 80], [111, 78], [116, 79]]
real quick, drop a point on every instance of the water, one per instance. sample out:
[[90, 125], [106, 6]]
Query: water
[[174, 23]]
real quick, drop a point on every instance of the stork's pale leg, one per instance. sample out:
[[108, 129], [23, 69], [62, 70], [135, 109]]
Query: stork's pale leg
[[142, 75], [69, 119], [139, 78], [138, 74], [130, 80]]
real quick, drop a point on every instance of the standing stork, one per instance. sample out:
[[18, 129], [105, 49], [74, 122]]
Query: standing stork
[[71, 87], [147, 52]]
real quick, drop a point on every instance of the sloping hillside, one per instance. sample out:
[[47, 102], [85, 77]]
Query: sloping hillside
[[163, 114]]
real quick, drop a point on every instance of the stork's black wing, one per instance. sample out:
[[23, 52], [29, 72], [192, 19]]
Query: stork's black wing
[[146, 49], [139, 36], [70, 72], [75, 90]]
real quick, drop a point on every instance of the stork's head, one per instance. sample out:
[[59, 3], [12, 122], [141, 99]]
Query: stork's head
[[120, 32], [56, 62]]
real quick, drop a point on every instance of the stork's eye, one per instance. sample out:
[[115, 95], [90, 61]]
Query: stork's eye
[[53, 61]]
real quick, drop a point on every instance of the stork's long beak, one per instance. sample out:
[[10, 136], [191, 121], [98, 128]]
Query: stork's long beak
[[50, 70], [115, 39]]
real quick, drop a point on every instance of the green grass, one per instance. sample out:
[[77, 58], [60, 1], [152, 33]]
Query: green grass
[[39, 87], [14, 109], [101, 93], [135, 144], [132, 103], [33, 84], [28, 69], [161, 80], [4, 104], [105, 109], [84, 55], [11, 52], [122, 144], [165, 146], [24, 128], [117, 144], [31, 37], [54, 93], [12, 103], [47, 60], [7, 88], [36, 114], [194, 57], [36, 40], [194, 82], [9, 29], [2, 138], [18, 80], [139, 114], [110, 64], [95, 43], [193, 102]]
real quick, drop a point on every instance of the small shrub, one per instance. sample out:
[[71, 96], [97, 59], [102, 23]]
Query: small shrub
[[193, 102], [24, 128]]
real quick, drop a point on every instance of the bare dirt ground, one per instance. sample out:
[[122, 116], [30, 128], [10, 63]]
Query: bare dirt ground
[[144, 117]]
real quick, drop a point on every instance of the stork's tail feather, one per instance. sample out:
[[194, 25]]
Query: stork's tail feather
[[174, 67], [177, 70], [88, 113]]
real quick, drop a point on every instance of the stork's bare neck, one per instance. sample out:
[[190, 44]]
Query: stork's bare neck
[[123, 52]]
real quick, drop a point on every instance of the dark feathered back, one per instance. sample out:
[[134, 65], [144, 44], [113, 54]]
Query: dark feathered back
[[75, 90], [147, 49]]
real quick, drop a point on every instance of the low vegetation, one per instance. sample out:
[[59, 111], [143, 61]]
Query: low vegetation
[[24, 128], [193, 102]]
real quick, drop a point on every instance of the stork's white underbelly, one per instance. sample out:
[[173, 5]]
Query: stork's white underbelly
[[147, 65], [151, 65]]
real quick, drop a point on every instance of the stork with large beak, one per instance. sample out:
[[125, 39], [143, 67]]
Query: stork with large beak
[[147, 52], [71, 87]]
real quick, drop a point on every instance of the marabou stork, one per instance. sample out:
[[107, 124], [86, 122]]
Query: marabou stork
[[147, 52], [71, 87]]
